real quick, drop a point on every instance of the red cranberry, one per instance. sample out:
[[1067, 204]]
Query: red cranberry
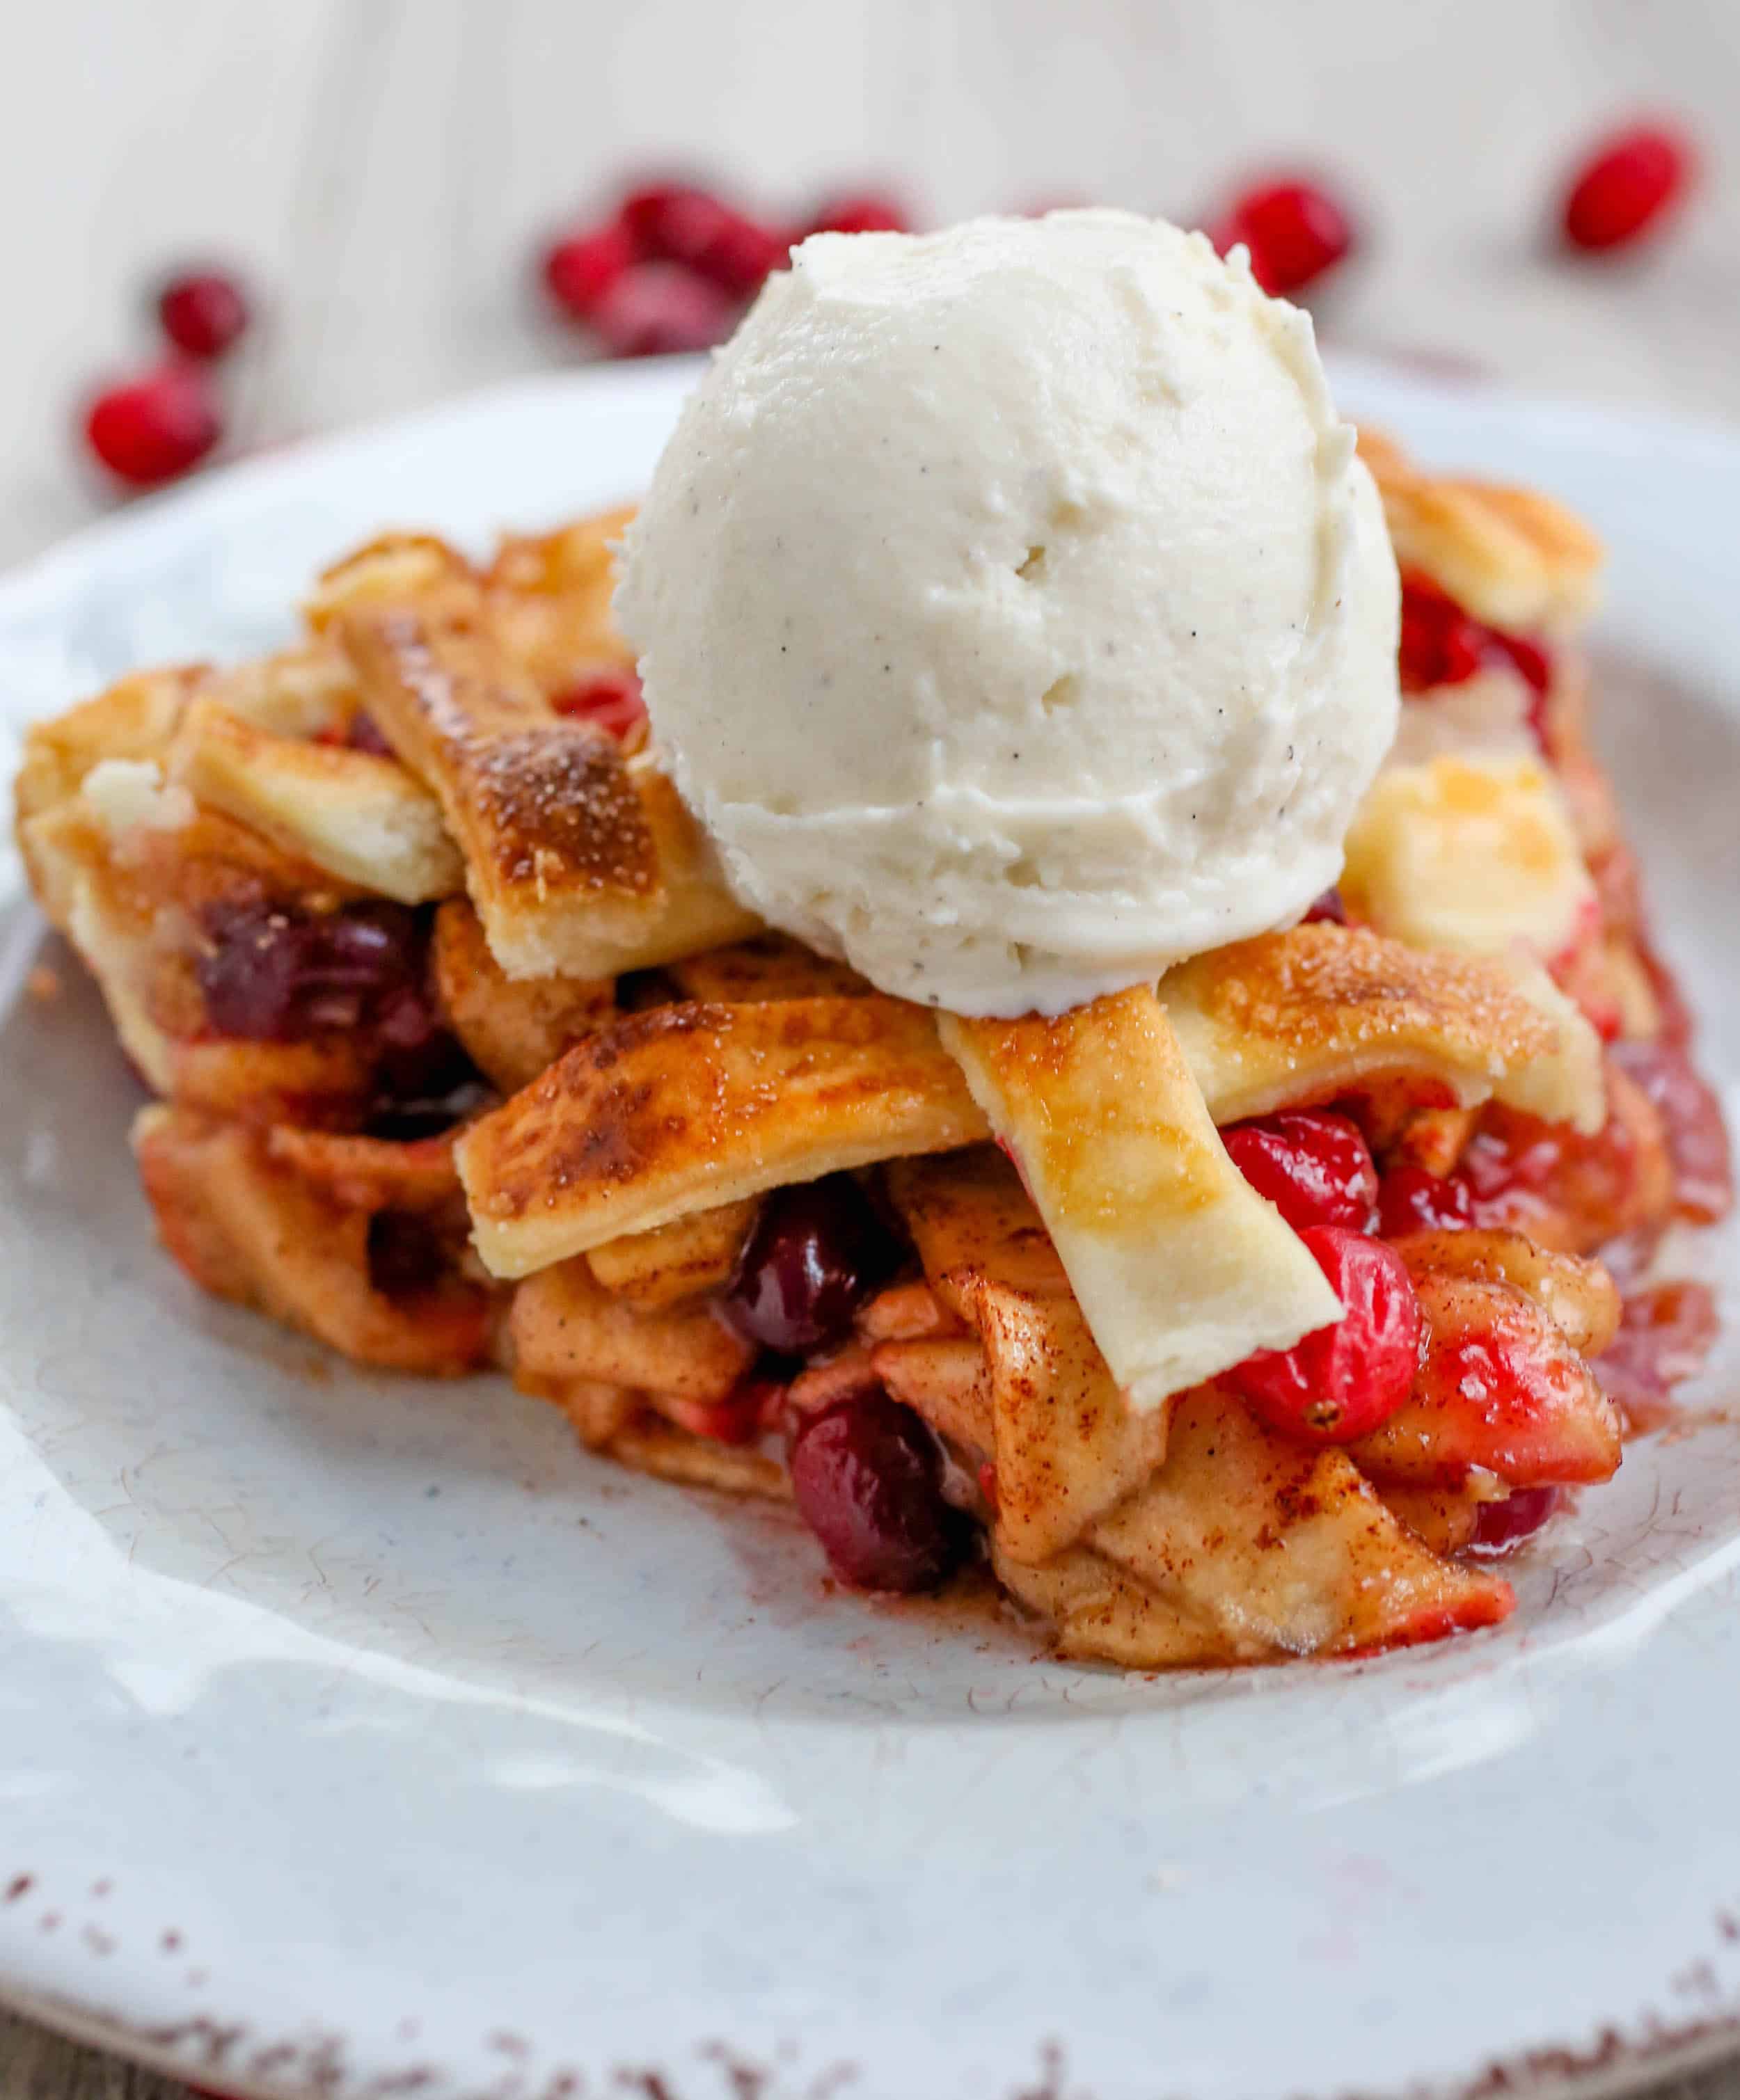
[[272, 974], [406, 1256], [610, 698], [677, 222], [1499, 1525], [1626, 187], [146, 432], [1315, 1167], [859, 211], [1329, 909], [817, 1252], [203, 312], [667, 221], [868, 1476], [1410, 1200], [1440, 646], [1697, 1136], [1343, 1381], [364, 734], [581, 267], [659, 309], [1294, 230]]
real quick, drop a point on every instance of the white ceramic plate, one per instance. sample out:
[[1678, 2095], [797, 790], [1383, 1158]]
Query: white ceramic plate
[[364, 1736]]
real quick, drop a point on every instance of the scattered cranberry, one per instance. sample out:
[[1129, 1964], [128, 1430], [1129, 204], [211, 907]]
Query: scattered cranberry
[[1343, 1381], [580, 269], [677, 222], [203, 312], [146, 432], [1329, 910], [406, 1256], [1295, 230], [1497, 1526], [817, 1252], [1697, 1136], [660, 309], [868, 1476], [863, 211], [1314, 1166], [1410, 1200], [1627, 186], [610, 698]]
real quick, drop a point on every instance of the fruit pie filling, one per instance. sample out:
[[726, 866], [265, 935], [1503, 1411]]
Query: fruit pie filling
[[281, 974], [1428, 1357], [892, 1507]]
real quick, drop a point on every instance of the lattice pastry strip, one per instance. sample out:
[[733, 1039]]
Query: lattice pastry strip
[[362, 818], [685, 1108], [1513, 557], [576, 866], [1179, 1266]]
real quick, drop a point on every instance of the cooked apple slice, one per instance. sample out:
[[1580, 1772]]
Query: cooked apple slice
[[969, 1216], [685, 1108], [249, 1226], [1499, 1388], [362, 818], [1474, 854], [1181, 1268], [566, 1325], [678, 1260], [1066, 1446], [512, 1028], [1284, 1550]]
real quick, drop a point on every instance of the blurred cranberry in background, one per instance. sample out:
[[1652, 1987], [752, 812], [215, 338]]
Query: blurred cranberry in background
[[148, 430], [679, 223], [1626, 187], [1294, 229], [656, 309], [204, 312], [581, 267], [860, 211]]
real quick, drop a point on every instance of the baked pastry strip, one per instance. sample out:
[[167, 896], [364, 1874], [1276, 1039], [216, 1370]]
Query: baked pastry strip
[[1179, 1266]]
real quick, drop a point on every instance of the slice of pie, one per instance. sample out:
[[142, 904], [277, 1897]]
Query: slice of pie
[[1246, 1316]]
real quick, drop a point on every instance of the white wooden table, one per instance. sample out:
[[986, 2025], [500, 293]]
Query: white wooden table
[[384, 169]]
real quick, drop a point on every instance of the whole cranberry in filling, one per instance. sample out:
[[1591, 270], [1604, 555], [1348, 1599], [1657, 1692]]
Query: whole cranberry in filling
[[276, 974], [1410, 1200], [1313, 1166], [1501, 1524], [406, 1256], [1343, 1381], [868, 1476], [1330, 908], [816, 1253]]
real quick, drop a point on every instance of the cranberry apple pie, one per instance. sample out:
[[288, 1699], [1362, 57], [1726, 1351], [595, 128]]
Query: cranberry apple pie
[[919, 1084], [464, 1056]]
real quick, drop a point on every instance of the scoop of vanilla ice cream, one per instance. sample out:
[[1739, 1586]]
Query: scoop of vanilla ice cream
[[1013, 609]]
